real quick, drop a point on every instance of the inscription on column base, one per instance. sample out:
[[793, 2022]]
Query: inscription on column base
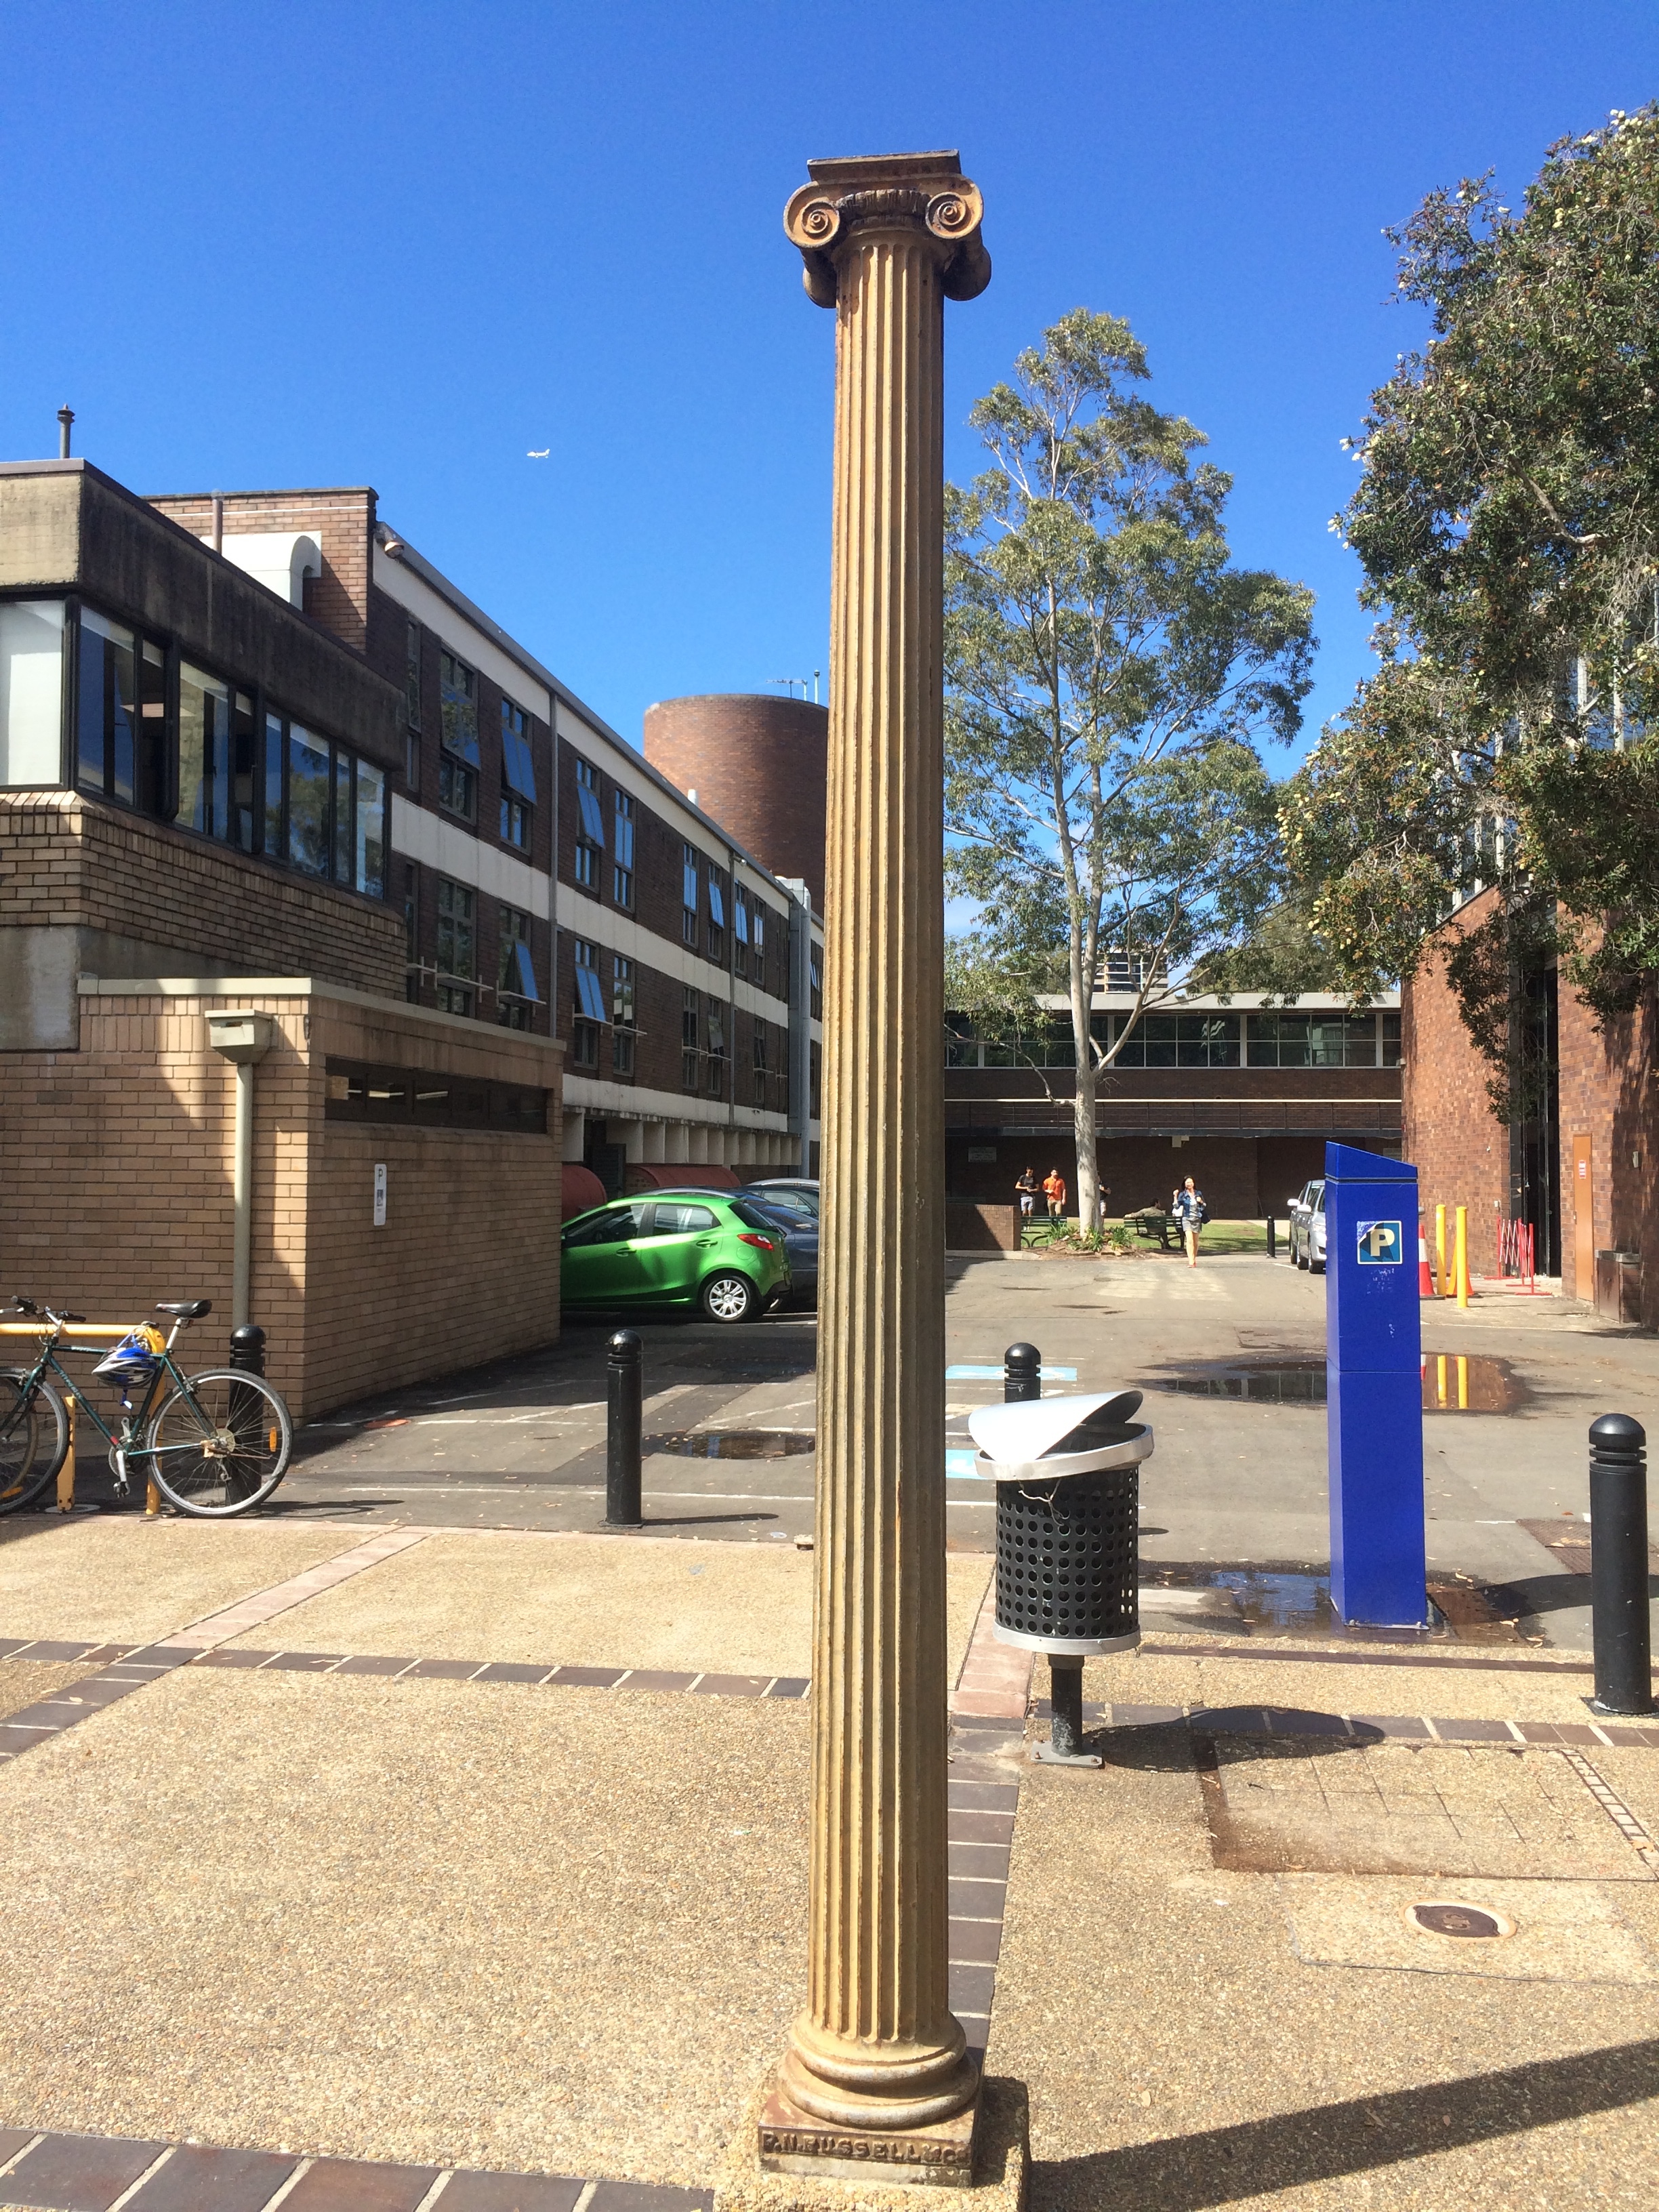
[[791, 2141]]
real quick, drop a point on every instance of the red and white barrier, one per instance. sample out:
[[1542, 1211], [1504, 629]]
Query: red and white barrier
[[1424, 1272]]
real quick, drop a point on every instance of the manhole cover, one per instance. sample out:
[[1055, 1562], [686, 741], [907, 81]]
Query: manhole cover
[[1467, 1923], [734, 1443]]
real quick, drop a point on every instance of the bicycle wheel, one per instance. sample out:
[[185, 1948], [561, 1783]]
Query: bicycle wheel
[[33, 1439], [219, 1446]]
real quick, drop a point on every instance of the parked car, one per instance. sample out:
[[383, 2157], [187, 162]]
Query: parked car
[[797, 1218], [706, 1249], [802, 1188], [1307, 1227]]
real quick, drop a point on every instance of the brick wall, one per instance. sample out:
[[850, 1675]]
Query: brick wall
[[119, 1161], [69, 861], [342, 522], [1460, 1150], [758, 765]]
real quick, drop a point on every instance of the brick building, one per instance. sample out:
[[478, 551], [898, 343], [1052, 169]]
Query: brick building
[[256, 738], [198, 781], [1240, 1096], [1576, 1162]]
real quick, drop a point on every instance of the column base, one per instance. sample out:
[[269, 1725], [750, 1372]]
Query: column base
[[783, 2160]]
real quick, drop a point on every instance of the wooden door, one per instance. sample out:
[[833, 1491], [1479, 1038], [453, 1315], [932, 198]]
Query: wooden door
[[1583, 1220]]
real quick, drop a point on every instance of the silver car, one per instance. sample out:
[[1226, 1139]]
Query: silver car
[[1307, 1227]]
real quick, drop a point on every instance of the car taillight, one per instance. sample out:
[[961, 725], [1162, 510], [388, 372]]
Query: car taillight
[[765, 1243]]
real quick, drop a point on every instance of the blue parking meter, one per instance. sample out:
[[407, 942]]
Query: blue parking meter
[[1373, 1355]]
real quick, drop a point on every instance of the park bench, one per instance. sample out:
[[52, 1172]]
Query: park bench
[[1156, 1226]]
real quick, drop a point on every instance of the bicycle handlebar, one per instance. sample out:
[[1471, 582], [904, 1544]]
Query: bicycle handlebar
[[20, 1304]]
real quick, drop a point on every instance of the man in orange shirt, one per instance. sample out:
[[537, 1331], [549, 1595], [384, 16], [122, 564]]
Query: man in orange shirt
[[1053, 1189]]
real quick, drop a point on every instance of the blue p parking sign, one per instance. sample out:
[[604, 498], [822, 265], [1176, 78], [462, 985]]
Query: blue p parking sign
[[1380, 1244]]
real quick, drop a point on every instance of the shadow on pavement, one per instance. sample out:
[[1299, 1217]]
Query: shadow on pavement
[[1224, 2166]]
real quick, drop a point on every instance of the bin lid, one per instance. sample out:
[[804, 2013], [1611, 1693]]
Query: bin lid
[[1024, 1432]]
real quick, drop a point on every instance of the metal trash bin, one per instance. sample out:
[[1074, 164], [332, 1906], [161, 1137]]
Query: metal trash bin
[[1067, 1471]]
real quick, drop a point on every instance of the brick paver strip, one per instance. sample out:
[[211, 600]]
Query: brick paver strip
[[511, 2192], [197, 2179], [345, 2185], [648, 2196], [790, 1686], [731, 1686], [369, 1663], [304, 1663], [510, 1670], [983, 1796], [968, 1827], [646, 1678], [1474, 1731], [1405, 1725], [12, 2140], [79, 2174], [1363, 1656], [592, 1677], [446, 1670], [253, 1611], [973, 1942]]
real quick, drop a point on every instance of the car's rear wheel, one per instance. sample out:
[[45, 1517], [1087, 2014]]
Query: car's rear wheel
[[728, 1298]]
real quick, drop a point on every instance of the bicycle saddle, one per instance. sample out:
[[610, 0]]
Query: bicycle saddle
[[185, 1309]]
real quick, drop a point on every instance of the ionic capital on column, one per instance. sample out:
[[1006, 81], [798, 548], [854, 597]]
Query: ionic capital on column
[[926, 193]]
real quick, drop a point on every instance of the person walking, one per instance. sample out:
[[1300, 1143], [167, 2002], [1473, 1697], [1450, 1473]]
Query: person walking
[[1026, 1190], [1053, 1189], [1192, 1213]]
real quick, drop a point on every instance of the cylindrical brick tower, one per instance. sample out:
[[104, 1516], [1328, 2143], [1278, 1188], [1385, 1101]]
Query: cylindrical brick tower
[[758, 766]]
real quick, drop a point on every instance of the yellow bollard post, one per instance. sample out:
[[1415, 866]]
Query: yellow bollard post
[[152, 1499], [1442, 1288], [1440, 1380], [1460, 1262], [66, 1473], [1462, 1382]]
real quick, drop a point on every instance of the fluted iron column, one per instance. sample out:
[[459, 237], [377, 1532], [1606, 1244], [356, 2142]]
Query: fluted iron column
[[885, 242]]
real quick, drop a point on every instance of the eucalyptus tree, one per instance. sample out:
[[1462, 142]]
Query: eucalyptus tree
[[1508, 521], [1110, 675]]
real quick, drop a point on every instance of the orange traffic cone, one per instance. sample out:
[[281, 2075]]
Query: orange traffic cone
[[1424, 1272]]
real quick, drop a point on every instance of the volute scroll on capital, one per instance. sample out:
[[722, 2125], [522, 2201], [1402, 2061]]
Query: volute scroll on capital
[[904, 192]]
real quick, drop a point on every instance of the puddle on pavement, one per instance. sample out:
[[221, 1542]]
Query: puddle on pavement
[[1291, 1600], [1453, 1383], [734, 1443]]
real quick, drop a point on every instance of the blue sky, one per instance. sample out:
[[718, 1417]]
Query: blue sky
[[404, 245]]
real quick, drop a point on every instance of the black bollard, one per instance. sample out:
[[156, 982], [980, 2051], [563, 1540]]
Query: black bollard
[[247, 1348], [624, 1375], [1618, 1566], [1273, 1240], [1022, 1375]]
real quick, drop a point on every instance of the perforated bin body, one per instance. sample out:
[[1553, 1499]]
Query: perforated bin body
[[1068, 1564]]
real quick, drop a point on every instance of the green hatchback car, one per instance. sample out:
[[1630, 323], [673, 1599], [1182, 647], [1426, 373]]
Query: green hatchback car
[[682, 1248]]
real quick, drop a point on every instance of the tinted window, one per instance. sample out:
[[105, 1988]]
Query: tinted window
[[613, 1228], [684, 1220], [752, 1214]]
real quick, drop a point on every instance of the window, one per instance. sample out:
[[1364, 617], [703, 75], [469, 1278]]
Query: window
[[308, 775], [458, 760], [1181, 1041], [31, 691], [1390, 1036], [590, 1005], [516, 994], [359, 1092], [1312, 1040], [412, 933], [518, 777], [622, 830], [106, 709], [760, 1063], [614, 1227], [815, 983], [622, 1016], [716, 945], [690, 1039], [757, 940], [368, 850], [716, 1048], [457, 951], [689, 894], [814, 1079], [412, 674], [678, 1219], [216, 759], [739, 929], [590, 826]]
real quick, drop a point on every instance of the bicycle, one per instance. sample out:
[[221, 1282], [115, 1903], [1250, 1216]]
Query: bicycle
[[217, 1444]]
